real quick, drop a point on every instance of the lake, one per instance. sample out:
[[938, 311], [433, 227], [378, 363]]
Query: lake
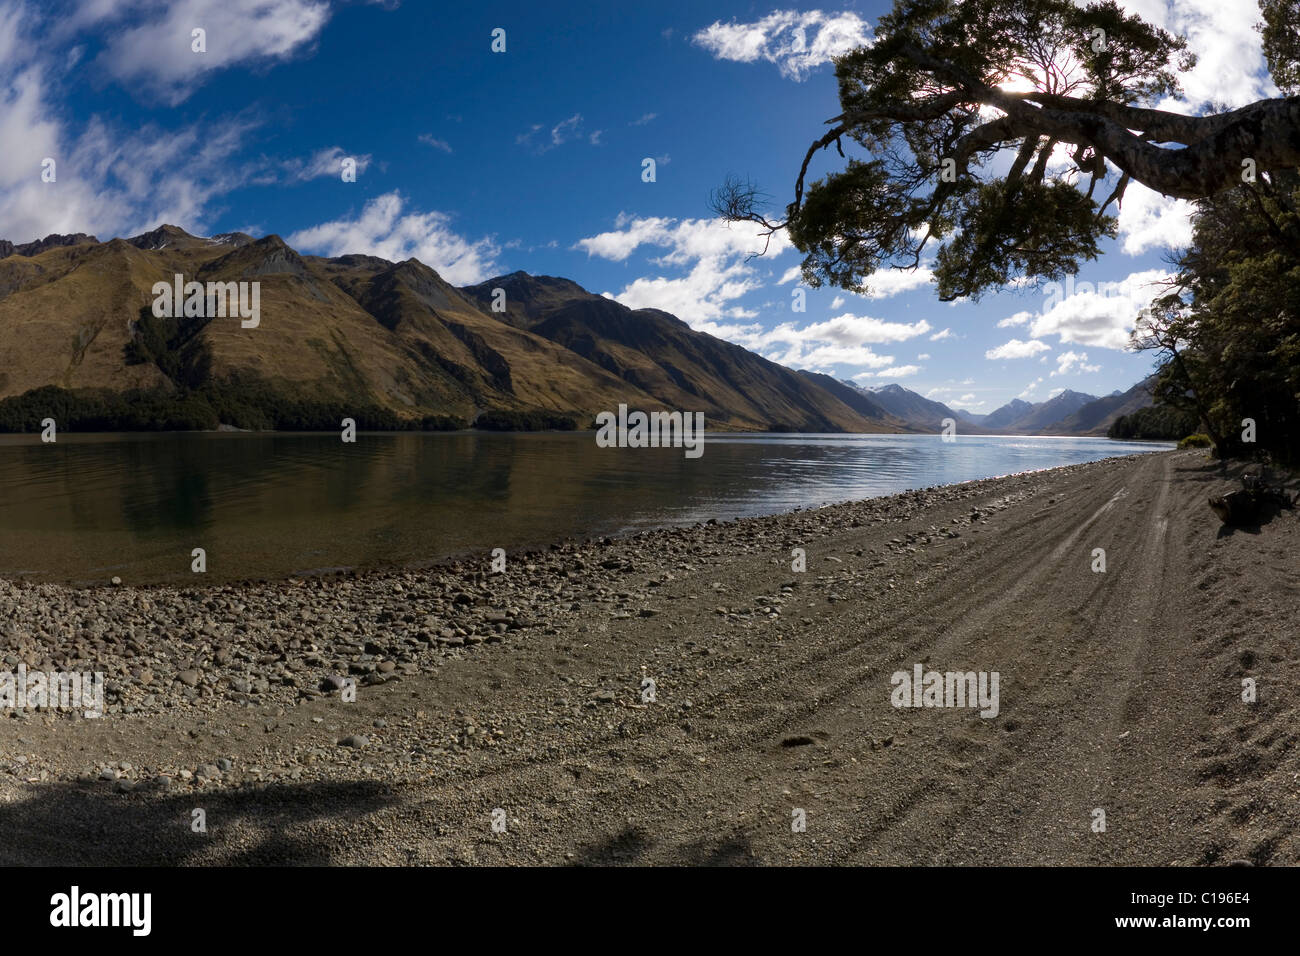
[[270, 505]]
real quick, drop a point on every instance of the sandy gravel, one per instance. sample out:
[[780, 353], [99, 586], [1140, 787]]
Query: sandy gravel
[[1119, 691]]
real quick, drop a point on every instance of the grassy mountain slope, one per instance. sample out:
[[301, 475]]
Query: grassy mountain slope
[[661, 355], [392, 340]]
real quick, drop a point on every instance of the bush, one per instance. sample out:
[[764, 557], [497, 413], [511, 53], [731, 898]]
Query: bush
[[510, 421], [246, 402], [1153, 423], [1196, 441]]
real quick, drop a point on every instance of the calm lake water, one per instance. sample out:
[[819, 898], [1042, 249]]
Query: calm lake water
[[270, 505]]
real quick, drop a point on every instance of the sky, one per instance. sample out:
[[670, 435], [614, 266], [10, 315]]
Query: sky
[[479, 163]]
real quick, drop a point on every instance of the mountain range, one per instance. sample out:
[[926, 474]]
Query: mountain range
[[1066, 413], [394, 341]]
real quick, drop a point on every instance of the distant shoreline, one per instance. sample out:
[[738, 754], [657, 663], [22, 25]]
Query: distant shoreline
[[719, 430]]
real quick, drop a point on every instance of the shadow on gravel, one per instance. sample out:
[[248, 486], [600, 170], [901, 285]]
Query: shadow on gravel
[[1267, 515], [1223, 476], [71, 824], [632, 843]]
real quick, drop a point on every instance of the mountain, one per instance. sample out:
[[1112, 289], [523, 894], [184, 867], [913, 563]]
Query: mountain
[[1008, 414], [856, 398], [1095, 417], [923, 414], [1046, 417], [664, 357], [30, 249], [390, 343], [1019, 417], [919, 412]]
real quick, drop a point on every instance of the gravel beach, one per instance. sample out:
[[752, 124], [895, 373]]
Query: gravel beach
[[680, 696]]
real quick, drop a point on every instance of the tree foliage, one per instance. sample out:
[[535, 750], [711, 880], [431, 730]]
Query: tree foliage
[[247, 402], [1154, 423], [1003, 132], [1228, 330], [1280, 32], [997, 135]]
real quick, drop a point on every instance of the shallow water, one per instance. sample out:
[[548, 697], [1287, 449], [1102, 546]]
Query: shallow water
[[269, 505]]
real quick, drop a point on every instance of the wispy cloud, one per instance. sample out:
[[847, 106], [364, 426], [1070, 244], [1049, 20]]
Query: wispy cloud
[[325, 162], [898, 371], [1068, 362], [541, 140], [429, 140], [713, 255], [1015, 349], [386, 230], [149, 46], [797, 42], [1100, 314], [109, 180]]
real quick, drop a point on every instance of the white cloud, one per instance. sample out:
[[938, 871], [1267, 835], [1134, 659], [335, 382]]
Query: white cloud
[[843, 341], [1067, 362], [114, 180], [155, 54], [891, 282], [851, 329], [923, 356], [645, 118], [326, 162], [713, 253], [837, 302], [382, 230], [109, 180], [1017, 349], [1148, 220], [430, 140], [562, 132], [1020, 318], [940, 336], [1230, 65], [1230, 71], [1100, 314], [1030, 388], [566, 129], [898, 371], [797, 42]]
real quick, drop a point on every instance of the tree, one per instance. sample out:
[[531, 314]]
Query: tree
[[1229, 325], [1004, 131]]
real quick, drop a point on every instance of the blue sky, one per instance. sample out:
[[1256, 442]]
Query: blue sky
[[480, 163]]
